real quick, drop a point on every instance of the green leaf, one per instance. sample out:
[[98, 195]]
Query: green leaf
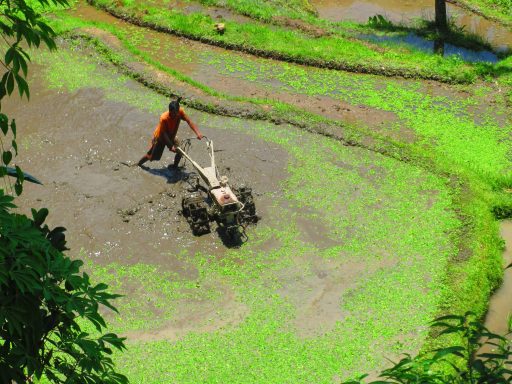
[[15, 146], [114, 340], [456, 350], [20, 174], [22, 86], [18, 188], [100, 287], [10, 83], [7, 157], [39, 216], [4, 123], [96, 319], [10, 54], [13, 127], [23, 65]]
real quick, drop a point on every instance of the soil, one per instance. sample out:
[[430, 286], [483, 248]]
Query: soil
[[200, 317], [81, 145]]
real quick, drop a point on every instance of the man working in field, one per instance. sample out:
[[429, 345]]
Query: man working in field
[[165, 134]]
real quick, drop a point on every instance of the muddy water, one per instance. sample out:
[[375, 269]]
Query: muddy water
[[78, 152], [500, 305], [405, 11]]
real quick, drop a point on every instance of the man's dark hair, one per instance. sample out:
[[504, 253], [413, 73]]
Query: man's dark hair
[[174, 106]]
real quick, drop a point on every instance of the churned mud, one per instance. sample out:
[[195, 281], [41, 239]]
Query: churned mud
[[80, 151], [80, 145]]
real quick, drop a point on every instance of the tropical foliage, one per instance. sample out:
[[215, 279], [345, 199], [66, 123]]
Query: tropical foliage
[[44, 298]]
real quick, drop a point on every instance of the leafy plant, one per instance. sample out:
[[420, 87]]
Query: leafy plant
[[464, 363], [379, 21], [43, 296]]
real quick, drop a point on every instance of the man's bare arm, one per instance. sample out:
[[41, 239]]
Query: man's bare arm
[[192, 126]]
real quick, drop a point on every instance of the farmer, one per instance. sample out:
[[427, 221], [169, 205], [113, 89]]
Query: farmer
[[165, 134]]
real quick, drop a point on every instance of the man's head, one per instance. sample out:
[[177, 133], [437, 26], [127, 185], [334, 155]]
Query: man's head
[[174, 106]]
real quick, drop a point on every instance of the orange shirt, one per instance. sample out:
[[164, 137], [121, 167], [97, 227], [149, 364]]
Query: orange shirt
[[170, 124]]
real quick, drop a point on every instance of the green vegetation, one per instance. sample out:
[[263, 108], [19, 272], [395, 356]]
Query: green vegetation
[[44, 300], [335, 52], [500, 10], [484, 357], [445, 123], [267, 10], [44, 297], [440, 242]]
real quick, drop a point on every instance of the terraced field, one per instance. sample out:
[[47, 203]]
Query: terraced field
[[379, 195]]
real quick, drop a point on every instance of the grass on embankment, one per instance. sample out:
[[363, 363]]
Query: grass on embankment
[[280, 43], [498, 10], [267, 10], [275, 12]]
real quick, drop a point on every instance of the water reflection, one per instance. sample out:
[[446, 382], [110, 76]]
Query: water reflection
[[438, 46], [405, 11]]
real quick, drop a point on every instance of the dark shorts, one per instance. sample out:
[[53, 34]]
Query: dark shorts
[[156, 150]]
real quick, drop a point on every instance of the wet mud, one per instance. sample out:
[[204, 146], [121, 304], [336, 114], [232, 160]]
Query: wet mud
[[199, 316], [406, 11], [80, 151], [80, 145]]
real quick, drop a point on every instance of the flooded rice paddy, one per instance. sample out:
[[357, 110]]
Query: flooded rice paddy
[[296, 294], [465, 130], [348, 264]]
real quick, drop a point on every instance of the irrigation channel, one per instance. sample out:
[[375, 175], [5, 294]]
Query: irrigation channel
[[349, 262]]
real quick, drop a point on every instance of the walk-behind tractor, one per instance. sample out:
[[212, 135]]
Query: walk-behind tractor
[[232, 208]]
